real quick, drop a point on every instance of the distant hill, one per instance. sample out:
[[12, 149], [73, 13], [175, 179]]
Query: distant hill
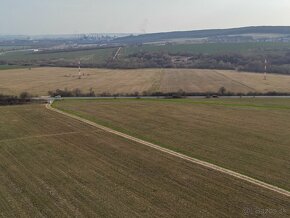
[[277, 33]]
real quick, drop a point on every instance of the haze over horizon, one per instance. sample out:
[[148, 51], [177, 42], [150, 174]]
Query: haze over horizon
[[34, 17]]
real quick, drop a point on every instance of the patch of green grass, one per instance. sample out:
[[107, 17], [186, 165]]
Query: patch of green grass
[[250, 136], [111, 125], [94, 56], [214, 48], [12, 47], [8, 67], [258, 103]]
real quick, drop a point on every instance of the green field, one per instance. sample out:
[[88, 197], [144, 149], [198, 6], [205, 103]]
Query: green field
[[53, 166], [250, 136], [90, 56], [4, 48], [9, 67], [213, 48]]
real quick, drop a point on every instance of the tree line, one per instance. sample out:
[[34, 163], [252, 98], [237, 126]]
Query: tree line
[[23, 98], [222, 91], [277, 63]]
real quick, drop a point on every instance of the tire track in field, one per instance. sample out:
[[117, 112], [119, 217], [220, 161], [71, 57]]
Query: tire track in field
[[156, 81], [235, 81], [176, 154], [39, 136]]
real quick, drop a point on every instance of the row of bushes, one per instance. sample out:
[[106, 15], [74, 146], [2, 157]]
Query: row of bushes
[[179, 94], [23, 98], [72, 93]]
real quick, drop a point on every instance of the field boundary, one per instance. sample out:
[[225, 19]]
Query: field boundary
[[176, 154]]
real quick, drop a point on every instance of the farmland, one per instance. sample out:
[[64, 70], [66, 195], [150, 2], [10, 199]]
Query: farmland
[[60, 58], [56, 166], [250, 136], [90, 55], [212, 48], [244, 56], [4, 48], [39, 81], [9, 67]]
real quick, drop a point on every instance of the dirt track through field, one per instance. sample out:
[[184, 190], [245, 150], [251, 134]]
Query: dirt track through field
[[176, 154], [235, 81]]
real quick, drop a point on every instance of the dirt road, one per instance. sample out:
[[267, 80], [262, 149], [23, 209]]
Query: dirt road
[[182, 156], [117, 53]]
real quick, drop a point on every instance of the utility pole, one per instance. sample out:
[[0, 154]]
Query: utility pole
[[265, 73], [79, 68]]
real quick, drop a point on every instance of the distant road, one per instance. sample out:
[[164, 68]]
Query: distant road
[[117, 53], [176, 154], [16, 50]]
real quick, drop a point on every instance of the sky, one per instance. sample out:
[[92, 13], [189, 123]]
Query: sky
[[38, 17]]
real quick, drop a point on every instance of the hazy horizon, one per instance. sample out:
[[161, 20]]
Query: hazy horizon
[[60, 17]]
